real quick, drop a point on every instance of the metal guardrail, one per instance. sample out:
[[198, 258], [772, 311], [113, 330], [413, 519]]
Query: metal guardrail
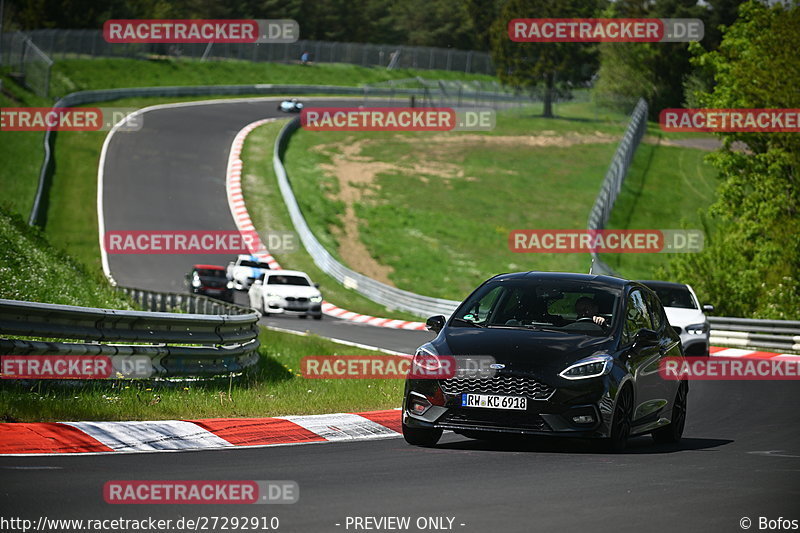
[[391, 297], [185, 302], [615, 176], [38, 211], [63, 44], [178, 344], [781, 335]]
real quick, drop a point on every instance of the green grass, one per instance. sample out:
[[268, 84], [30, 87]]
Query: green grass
[[273, 388], [21, 153], [444, 235], [70, 75], [268, 212], [32, 269], [667, 188]]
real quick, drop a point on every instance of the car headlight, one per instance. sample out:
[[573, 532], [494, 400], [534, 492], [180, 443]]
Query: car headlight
[[230, 285], [591, 367], [698, 329], [316, 299], [270, 295], [195, 282]]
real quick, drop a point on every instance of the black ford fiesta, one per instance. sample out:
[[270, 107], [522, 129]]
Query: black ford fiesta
[[572, 355]]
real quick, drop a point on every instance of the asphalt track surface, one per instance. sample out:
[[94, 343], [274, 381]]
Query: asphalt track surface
[[740, 456], [170, 175]]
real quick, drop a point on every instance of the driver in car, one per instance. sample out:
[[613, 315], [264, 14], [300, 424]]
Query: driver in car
[[586, 307]]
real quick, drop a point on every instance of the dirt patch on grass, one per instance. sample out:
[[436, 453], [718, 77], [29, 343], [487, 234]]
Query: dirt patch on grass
[[356, 175]]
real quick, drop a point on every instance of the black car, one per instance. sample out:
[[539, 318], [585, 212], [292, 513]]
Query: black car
[[210, 280], [573, 355]]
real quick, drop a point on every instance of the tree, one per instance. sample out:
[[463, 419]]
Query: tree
[[751, 264], [552, 65]]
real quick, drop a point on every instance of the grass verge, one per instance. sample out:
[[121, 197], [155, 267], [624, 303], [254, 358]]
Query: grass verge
[[273, 388], [436, 209], [268, 211]]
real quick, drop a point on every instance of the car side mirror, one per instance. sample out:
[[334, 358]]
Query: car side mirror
[[316, 285], [708, 308], [435, 323], [645, 337]]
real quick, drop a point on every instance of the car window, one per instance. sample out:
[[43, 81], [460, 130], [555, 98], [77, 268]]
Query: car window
[[656, 312], [535, 304], [479, 310], [679, 297], [637, 316], [288, 280], [254, 264], [209, 273]]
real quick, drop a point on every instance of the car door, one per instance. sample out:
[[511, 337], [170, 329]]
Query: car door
[[643, 356], [669, 343]]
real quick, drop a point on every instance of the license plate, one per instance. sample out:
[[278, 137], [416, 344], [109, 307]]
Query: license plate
[[492, 401]]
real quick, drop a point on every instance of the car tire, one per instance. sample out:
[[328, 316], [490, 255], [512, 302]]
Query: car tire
[[621, 422], [672, 432], [303, 316], [425, 437], [318, 317]]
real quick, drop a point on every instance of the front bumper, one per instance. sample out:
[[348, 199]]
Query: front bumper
[[550, 413], [298, 307]]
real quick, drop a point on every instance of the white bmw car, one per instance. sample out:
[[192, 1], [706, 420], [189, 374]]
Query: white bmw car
[[286, 292], [685, 315], [244, 270]]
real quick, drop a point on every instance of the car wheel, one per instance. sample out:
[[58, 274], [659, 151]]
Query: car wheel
[[672, 433], [621, 423], [303, 316], [264, 309], [318, 317], [426, 437]]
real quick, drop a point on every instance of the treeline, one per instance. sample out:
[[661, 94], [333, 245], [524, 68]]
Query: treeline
[[442, 23]]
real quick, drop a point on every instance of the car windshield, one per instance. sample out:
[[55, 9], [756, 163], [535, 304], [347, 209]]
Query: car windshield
[[675, 297], [253, 264], [288, 280], [569, 306], [209, 273]]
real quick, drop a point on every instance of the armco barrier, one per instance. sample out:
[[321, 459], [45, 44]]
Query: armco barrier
[[781, 335], [185, 302], [615, 176], [85, 97], [178, 344], [391, 297]]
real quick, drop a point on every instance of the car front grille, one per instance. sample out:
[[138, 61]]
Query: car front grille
[[500, 384], [493, 419], [296, 299]]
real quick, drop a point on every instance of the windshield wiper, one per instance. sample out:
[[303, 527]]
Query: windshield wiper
[[468, 322]]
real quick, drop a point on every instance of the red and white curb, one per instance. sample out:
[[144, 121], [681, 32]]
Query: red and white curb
[[94, 438], [717, 351], [233, 186]]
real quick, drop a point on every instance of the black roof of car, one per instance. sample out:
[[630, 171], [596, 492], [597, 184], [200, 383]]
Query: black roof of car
[[565, 276], [663, 284]]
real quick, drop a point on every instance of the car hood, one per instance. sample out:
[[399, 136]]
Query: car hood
[[298, 291], [536, 352], [681, 317]]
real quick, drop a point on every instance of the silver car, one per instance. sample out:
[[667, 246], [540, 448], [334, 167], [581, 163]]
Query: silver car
[[685, 315]]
